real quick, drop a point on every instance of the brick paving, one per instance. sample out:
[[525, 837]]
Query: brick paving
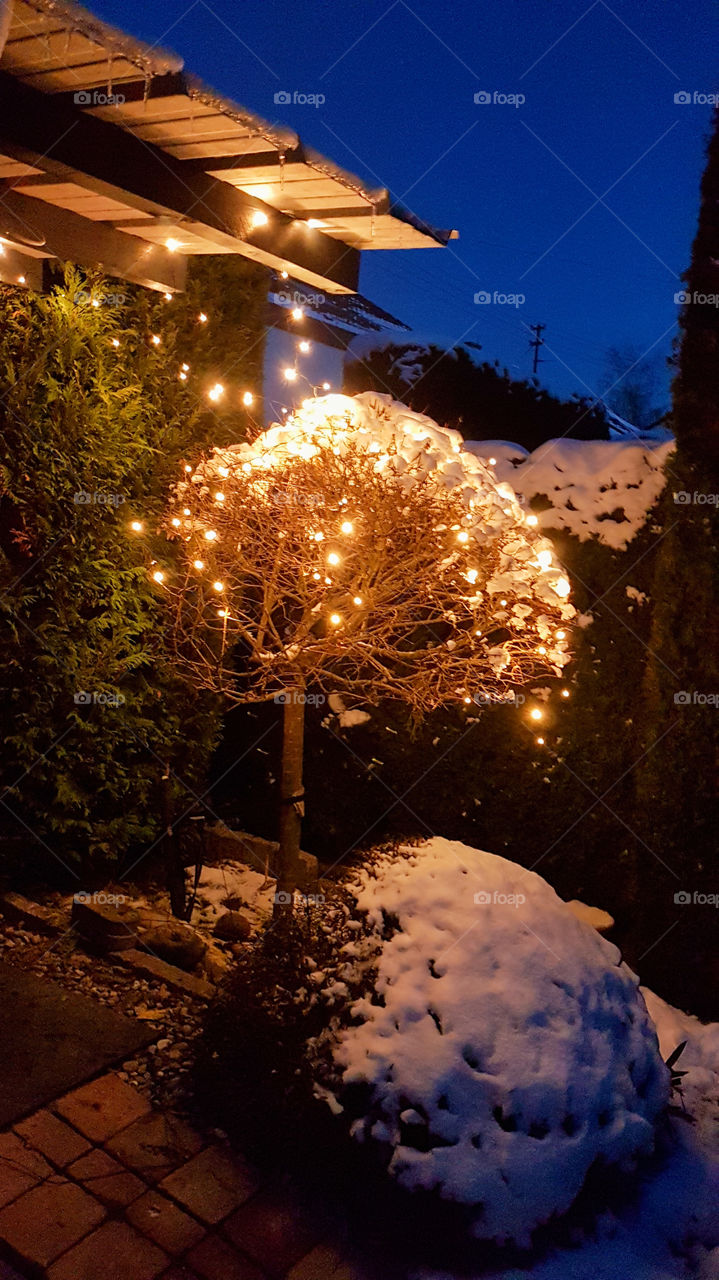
[[98, 1185]]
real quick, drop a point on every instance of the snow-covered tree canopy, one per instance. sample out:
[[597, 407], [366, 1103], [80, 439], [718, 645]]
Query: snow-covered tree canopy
[[356, 545]]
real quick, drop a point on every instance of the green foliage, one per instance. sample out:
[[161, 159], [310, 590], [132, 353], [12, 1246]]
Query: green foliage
[[480, 400], [92, 436]]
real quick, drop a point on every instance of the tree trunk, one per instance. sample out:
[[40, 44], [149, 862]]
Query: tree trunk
[[291, 800]]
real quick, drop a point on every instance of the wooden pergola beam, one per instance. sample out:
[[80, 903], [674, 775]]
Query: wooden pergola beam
[[70, 146]]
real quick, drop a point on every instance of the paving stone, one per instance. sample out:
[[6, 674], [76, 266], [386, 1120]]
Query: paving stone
[[157, 1217], [273, 1230], [49, 1219], [55, 1139], [102, 1107], [155, 1145], [215, 1259], [323, 1263], [115, 1252], [177, 979], [212, 1184], [20, 1168], [111, 1182], [44, 919]]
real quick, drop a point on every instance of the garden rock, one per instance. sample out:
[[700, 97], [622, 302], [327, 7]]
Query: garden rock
[[232, 926], [176, 943]]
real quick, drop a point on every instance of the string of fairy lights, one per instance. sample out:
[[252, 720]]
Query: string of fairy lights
[[292, 374]]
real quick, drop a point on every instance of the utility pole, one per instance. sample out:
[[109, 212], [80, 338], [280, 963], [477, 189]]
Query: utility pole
[[537, 342]]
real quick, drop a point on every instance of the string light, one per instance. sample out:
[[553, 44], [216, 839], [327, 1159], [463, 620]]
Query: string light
[[210, 535], [198, 564], [218, 586], [248, 398], [503, 603], [318, 537], [535, 714], [565, 693], [185, 368], [304, 346], [215, 393], [541, 649], [297, 313], [115, 342], [325, 386], [223, 613], [346, 526], [540, 742], [290, 374], [317, 576], [333, 558], [156, 339], [158, 575], [202, 318], [168, 297], [357, 600], [259, 219], [561, 635], [467, 699], [175, 522], [21, 280], [188, 468], [182, 375], [463, 536], [532, 520], [173, 245], [94, 303], [219, 496], [185, 511], [284, 275], [492, 462], [335, 619], [136, 526]]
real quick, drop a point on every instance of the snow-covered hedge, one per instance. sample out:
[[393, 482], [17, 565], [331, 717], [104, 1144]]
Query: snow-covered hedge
[[505, 1048]]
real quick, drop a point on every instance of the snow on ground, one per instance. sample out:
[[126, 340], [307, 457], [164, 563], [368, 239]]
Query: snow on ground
[[602, 488], [248, 891]]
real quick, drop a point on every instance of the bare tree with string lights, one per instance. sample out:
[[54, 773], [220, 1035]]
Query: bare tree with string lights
[[356, 549]]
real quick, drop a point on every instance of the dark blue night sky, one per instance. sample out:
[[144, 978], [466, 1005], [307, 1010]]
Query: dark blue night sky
[[521, 184]]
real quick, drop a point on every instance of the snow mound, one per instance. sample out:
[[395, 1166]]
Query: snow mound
[[510, 1049], [597, 488]]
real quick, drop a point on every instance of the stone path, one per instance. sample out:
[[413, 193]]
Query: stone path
[[100, 1186]]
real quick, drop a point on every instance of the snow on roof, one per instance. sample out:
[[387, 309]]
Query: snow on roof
[[350, 312], [597, 488]]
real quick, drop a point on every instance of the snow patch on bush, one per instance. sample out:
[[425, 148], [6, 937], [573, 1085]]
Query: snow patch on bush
[[510, 1050]]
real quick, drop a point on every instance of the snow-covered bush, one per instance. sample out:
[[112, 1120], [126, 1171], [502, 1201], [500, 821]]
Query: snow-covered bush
[[505, 1048]]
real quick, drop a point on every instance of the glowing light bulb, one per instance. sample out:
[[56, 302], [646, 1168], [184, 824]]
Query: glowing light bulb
[[115, 342], [173, 245], [325, 386], [471, 575], [297, 313], [218, 586], [259, 219], [315, 222], [561, 635], [541, 649], [136, 526], [219, 497], [535, 714], [182, 376], [290, 374], [284, 275], [304, 346], [357, 600], [492, 462], [185, 511], [158, 575], [565, 693], [210, 535], [198, 564], [318, 537], [202, 318], [216, 393], [156, 339], [346, 526], [532, 520], [185, 367], [467, 699], [21, 280], [94, 303], [175, 522], [188, 468], [540, 742], [335, 619], [247, 466], [168, 297], [316, 576], [333, 558], [503, 603], [223, 613], [248, 398]]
